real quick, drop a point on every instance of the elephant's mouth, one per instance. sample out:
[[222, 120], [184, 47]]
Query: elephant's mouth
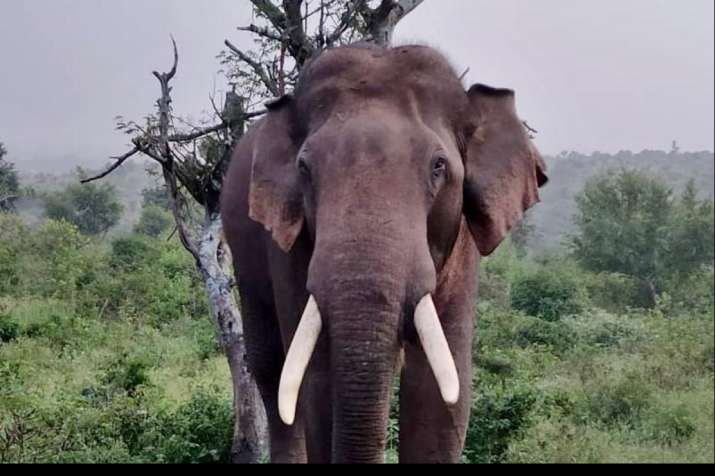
[[429, 330]]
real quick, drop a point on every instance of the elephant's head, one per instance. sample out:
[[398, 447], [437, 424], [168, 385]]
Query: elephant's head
[[381, 156]]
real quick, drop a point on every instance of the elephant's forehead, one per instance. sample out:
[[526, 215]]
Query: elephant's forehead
[[403, 74], [387, 63]]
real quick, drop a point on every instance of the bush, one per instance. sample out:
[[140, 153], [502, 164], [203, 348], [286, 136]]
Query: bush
[[629, 222], [199, 431], [614, 292], [9, 330], [548, 294], [127, 374], [54, 261], [619, 401], [557, 336], [497, 419], [669, 425], [132, 252], [693, 293], [13, 234], [154, 221], [603, 330], [93, 209], [121, 430]]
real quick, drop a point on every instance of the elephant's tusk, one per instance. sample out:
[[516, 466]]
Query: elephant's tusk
[[297, 360], [437, 350]]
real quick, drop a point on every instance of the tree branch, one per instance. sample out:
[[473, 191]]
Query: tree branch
[[257, 68], [198, 134], [170, 75], [346, 19], [299, 44], [383, 20], [119, 161], [263, 32], [271, 12]]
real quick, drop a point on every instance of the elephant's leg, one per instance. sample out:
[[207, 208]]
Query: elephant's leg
[[317, 405], [265, 359], [289, 274], [431, 431]]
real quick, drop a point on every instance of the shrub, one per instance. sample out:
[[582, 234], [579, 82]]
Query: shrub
[[154, 221], [497, 419], [200, 431], [13, 233], [9, 330], [127, 374], [669, 425], [548, 294], [604, 330], [614, 292], [55, 260], [132, 252], [555, 335], [620, 400], [92, 208]]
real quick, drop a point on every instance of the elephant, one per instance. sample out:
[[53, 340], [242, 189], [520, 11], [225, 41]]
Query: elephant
[[357, 211]]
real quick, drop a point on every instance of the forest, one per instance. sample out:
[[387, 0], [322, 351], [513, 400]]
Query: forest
[[107, 353]]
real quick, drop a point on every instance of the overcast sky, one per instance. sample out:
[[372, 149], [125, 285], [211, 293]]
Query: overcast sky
[[606, 75]]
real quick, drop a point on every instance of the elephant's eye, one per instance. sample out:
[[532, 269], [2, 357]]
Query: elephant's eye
[[439, 168]]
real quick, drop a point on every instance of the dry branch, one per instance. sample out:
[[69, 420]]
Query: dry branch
[[119, 161], [257, 68]]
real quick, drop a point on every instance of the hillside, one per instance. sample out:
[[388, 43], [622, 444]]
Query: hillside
[[552, 219], [569, 172], [129, 181]]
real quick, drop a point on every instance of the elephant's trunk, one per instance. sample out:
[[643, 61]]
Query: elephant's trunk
[[370, 271], [363, 360]]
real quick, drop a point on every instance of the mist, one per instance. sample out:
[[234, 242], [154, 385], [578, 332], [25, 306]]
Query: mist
[[589, 77]]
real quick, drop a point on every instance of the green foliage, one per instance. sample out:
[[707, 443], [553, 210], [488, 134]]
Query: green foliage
[[154, 221], [13, 235], [107, 355], [497, 419], [523, 234], [53, 259], [669, 425], [199, 431], [9, 330], [541, 332], [569, 172], [548, 293], [623, 217], [630, 223], [691, 239], [614, 291], [92, 208], [9, 182], [498, 272], [619, 401], [133, 252], [82, 390], [127, 374], [156, 196]]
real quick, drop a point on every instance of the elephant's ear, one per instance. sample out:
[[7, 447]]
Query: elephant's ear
[[503, 168], [275, 198]]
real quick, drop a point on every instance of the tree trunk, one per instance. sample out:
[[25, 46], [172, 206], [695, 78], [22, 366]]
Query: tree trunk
[[382, 28], [250, 427]]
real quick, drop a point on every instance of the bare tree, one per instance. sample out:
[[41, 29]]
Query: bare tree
[[194, 161], [287, 37]]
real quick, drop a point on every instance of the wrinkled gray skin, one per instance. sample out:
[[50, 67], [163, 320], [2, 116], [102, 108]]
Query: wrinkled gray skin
[[380, 181]]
